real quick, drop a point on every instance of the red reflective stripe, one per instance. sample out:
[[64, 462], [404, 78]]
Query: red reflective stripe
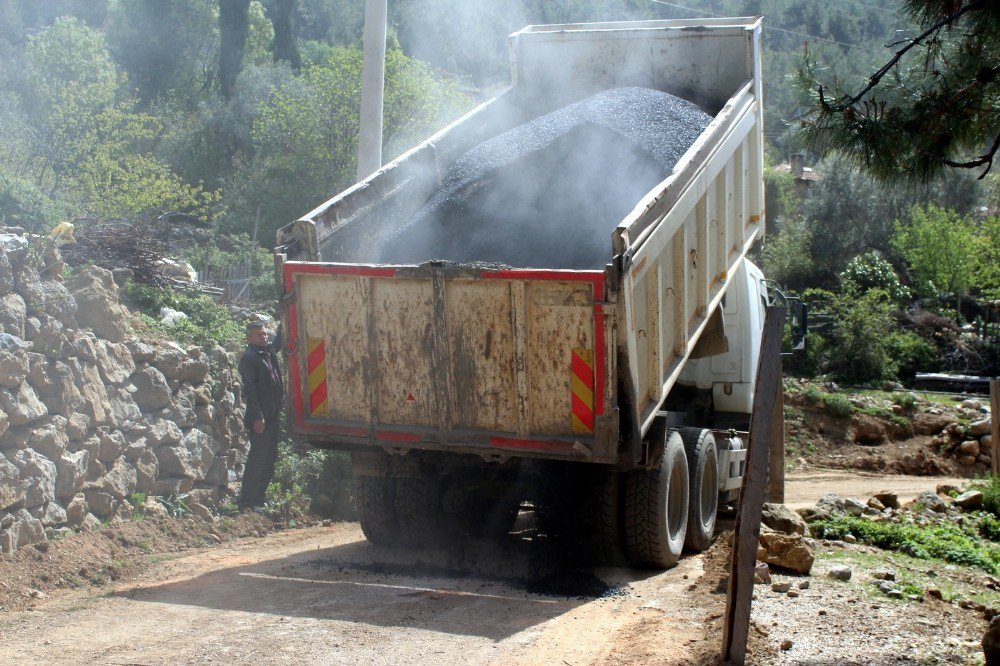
[[391, 436], [316, 356], [511, 443], [583, 412], [583, 371], [317, 398]]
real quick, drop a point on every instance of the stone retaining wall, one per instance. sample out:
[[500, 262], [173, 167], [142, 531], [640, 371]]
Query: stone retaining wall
[[89, 414]]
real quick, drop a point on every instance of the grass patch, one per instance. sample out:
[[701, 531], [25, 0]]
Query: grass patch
[[914, 576], [942, 541]]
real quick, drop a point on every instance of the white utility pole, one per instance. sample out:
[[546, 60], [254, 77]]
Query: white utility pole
[[372, 89]]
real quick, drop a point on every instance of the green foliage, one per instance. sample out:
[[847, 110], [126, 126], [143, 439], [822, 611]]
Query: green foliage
[[304, 139], [905, 400], [922, 111], [871, 271], [837, 405], [990, 488], [295, 475], [207, 322], [943, 541], [136, 501], [787, 256], [909, 354], [861, 352], [208, 257], [940, 246], [176, 505]]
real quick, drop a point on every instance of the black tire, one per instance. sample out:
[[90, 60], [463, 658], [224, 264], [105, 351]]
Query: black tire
[[377, 509], [703, 470], [608, 540], [418, 510], [656, 508]]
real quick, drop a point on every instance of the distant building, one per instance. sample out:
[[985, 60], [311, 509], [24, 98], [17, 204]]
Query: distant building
[[805, 177]]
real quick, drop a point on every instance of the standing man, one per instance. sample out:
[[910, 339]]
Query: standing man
[[264, 395]]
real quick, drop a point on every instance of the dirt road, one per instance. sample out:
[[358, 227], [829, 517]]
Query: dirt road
[[323, 595], [804, 488]]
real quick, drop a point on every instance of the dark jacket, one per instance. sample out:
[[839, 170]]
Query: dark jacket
[[263, 395]]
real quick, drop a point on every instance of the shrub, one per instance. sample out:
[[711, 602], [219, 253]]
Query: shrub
[[943, 541], [871, 271], [909, 354], [905, 400], [207, 321], [310, 481], [860, 345], [990, 488], [837, 405]]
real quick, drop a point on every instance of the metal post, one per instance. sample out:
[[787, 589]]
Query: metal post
[[372, 89]]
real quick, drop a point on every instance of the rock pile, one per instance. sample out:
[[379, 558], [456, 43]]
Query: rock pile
[[970, 445], [90, 415]]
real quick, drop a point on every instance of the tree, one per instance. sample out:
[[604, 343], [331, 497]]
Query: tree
[[282, 15], [941, 248], [234, 27], [934, 104]]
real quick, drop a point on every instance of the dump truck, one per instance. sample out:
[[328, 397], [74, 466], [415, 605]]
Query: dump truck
[[611, 402]]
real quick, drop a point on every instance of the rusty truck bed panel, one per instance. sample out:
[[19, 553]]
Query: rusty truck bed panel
[[510, 359]]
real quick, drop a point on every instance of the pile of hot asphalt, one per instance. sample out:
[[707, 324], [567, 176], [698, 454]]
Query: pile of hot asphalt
[[548, 193]]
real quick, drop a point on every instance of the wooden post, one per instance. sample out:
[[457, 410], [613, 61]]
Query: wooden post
[[995, 431], [776, 467], [744, 557]]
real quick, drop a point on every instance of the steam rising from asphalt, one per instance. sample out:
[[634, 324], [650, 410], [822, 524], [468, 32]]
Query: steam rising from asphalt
[[548, 193]]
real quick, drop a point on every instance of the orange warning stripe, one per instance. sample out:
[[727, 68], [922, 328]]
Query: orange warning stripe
[[582, 388], [316, 375]]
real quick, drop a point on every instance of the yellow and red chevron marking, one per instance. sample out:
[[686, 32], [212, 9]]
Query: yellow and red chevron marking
[[582, 387], [316, 375]]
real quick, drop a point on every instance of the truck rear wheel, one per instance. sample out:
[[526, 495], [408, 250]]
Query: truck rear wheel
[[656, 508], [418, 510], [377, 509], [703, 468]]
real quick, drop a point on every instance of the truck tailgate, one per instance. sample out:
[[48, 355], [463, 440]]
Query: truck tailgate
[[472, 359]]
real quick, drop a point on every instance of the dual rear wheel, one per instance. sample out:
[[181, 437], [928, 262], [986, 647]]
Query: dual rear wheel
[[673, 504]]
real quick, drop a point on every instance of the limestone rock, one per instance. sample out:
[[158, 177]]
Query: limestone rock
[[120, 481], [980, 428], [77, 509], [13, 368], [101, 504], [875, 504], [50, 438], [932, 502], [183, 366], [95, 396], [71, 473], [201, 511], [172, 485], [162, 431], [4, 424], [112, 444], [141, 352], [6, 274], [967, 461], [13, 312], [968, 448], [761, 573], [147, 468], [124, 409], [11, 488], [50, 514], [854, 506], [77, 426], [38, 371], [22, 405], [114, 361], [192, 457], [152, 392], [153, 507], [97, 296], [840, 572], [787, 551], [48, 297], [39, 475], [781, 519], [62, 395], [969, 500]]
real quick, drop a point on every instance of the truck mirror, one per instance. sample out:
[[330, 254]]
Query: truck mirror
[[798, 320]]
